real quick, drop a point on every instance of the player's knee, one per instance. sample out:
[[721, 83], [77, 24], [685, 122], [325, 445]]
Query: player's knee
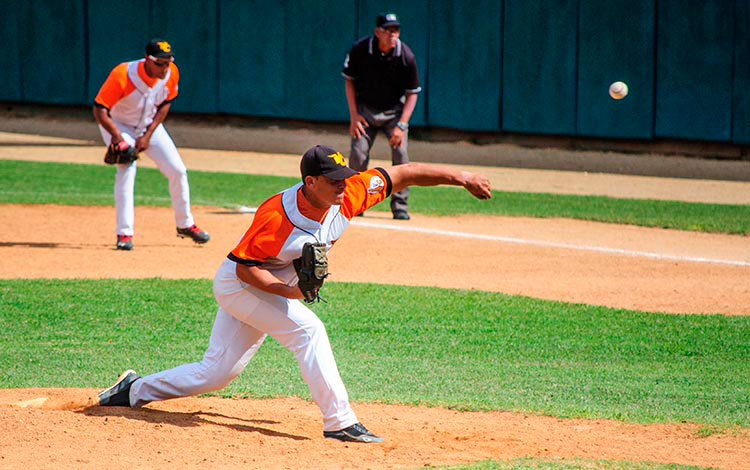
[[216, 377], [308, 335], [315, 330], [176, 173]]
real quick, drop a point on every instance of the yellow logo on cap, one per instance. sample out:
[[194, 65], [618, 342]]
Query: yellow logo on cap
[[338, 158], [164, 46]]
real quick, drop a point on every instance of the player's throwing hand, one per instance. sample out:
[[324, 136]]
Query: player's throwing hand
[[478, 185]]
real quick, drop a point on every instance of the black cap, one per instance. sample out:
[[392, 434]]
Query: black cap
[[326, 161], [387, 19], [159, 48]]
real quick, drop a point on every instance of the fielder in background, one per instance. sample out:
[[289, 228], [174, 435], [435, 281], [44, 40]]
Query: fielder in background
[[130, 108], [258, 292], [381, 91]]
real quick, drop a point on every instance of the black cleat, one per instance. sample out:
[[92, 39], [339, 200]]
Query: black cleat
[[119, 393], [354, 433], [401, 215], [198, 235], [124, 242]]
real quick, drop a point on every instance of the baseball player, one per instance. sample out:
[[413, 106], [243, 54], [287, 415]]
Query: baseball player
[[258, 294], [130, 108], [381, 92]]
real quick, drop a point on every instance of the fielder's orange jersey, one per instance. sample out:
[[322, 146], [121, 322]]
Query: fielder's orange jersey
[[286, 221], [118, 85]]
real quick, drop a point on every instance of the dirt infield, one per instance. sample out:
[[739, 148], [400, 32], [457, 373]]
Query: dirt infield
[[584, 262], [552, 259], [212, 433]]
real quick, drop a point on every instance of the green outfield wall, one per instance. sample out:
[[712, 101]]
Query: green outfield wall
[[526, 66]]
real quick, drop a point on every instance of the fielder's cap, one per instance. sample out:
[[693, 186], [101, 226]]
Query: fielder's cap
[[326, 161], [159, 48], [387, 19]]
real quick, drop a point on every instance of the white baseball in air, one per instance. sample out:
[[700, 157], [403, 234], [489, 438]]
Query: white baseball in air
[[618, 90]]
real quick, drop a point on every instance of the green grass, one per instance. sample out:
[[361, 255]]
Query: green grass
[[568, 464], [465, 350], [57, 183], [89, 185]]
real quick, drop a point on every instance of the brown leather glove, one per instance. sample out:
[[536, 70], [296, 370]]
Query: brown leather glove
[[120, 152], [312, 269]]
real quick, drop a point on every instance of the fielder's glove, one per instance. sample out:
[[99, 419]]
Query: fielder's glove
[[120, 152], [312, 269]]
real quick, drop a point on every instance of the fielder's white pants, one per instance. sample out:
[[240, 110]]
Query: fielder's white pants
[[245, 316], [164, 153]]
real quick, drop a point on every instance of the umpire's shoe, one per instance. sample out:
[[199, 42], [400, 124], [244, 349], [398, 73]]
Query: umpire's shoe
[[198, 235], [119, 393], [354, 433]]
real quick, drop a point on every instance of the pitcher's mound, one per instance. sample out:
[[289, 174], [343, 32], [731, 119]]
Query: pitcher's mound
[[63, 429]]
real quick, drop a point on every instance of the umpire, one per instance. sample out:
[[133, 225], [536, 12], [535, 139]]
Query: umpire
[[381, 91]]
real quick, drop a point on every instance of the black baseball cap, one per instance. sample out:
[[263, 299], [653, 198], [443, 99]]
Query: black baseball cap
[[159, 48], [326, 161], [387, 19]]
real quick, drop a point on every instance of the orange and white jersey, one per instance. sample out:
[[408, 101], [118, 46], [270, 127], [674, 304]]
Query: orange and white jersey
[[133, 97], [286, 221]]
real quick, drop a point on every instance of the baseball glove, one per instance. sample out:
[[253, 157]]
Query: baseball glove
[[312, 269], [120, 152]]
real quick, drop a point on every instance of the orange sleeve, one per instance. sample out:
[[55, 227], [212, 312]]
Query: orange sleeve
[[266, 235], [174, 79], [365, 190], [113, 89]]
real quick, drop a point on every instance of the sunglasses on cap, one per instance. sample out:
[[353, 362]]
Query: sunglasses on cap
[[161, 64]]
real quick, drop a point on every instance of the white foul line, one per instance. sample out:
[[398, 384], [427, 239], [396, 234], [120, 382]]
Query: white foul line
[[601, 249]]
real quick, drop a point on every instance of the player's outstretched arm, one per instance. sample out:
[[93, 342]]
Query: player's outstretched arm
[[422, 174]]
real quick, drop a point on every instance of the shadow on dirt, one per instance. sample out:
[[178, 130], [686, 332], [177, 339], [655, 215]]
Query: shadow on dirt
[[44, 144], [186, 420], [37, 245]]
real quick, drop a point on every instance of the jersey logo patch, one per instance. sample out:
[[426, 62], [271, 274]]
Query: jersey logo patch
[[376, 185], [338, 158]]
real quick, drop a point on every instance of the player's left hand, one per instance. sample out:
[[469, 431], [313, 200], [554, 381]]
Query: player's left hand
[[397, 136], [142, 142], [478, 185]]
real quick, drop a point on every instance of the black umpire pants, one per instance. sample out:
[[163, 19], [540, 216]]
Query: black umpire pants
[[359, 156]]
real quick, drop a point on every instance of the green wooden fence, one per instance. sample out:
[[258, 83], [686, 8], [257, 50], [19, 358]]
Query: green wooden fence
[[531, 66]]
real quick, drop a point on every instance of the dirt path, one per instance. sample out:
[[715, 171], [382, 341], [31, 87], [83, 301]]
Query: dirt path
[[59, 149], [599, 264]]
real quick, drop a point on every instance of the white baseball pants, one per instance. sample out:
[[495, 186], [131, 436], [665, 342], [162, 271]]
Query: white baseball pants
[[245, 316], [164, 153]]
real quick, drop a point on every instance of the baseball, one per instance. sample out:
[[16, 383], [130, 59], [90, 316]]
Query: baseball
[[618, 90]]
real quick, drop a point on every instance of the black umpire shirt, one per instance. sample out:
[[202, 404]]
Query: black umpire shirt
[[381, 80]]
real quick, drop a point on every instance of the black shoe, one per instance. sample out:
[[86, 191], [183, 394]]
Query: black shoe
[[119, 393], [401, 215], [198, 235], [354, 433], [361, 214], [124, 242]]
